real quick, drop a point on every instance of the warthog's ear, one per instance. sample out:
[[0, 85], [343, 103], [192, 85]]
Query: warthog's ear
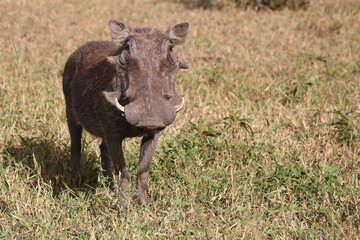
[[178, 32], [118, 31]]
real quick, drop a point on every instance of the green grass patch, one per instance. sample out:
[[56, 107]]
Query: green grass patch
[[266, 147]]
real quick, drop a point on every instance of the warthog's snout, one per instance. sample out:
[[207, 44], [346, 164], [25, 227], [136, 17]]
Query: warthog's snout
[[151, 118]]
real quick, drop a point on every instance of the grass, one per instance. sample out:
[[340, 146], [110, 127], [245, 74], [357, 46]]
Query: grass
[[266, 147]]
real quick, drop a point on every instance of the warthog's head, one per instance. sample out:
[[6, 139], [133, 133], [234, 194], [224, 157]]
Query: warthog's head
[[148, 68]]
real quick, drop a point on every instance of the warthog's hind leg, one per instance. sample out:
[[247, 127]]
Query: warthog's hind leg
[[75, 135]]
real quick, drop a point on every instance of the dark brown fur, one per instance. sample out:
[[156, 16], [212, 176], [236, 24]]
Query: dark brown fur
[[139, 69]]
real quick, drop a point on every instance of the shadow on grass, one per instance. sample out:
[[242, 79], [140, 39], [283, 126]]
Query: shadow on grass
[[51, 159]]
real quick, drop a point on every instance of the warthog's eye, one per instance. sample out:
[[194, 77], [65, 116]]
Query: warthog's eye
[[168, 49], [172, 57], [123, 58]]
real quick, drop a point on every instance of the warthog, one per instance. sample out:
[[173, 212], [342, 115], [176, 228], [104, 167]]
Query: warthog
[[124, 88]]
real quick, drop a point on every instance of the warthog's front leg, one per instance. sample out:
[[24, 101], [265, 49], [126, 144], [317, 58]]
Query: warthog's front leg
[[116, 154], [148, 146], [105, 161]]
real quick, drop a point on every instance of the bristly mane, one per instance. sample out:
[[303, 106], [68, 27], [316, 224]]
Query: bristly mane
[[146, 30], [98, 70], [147, 33]]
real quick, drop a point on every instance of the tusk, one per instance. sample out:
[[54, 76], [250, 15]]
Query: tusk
[[119, 106], [178, 107]]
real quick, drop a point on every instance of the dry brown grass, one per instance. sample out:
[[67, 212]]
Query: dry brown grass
[[294, 74]]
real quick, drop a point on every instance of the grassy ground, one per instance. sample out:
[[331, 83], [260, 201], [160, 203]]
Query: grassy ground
[[267, 146]]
